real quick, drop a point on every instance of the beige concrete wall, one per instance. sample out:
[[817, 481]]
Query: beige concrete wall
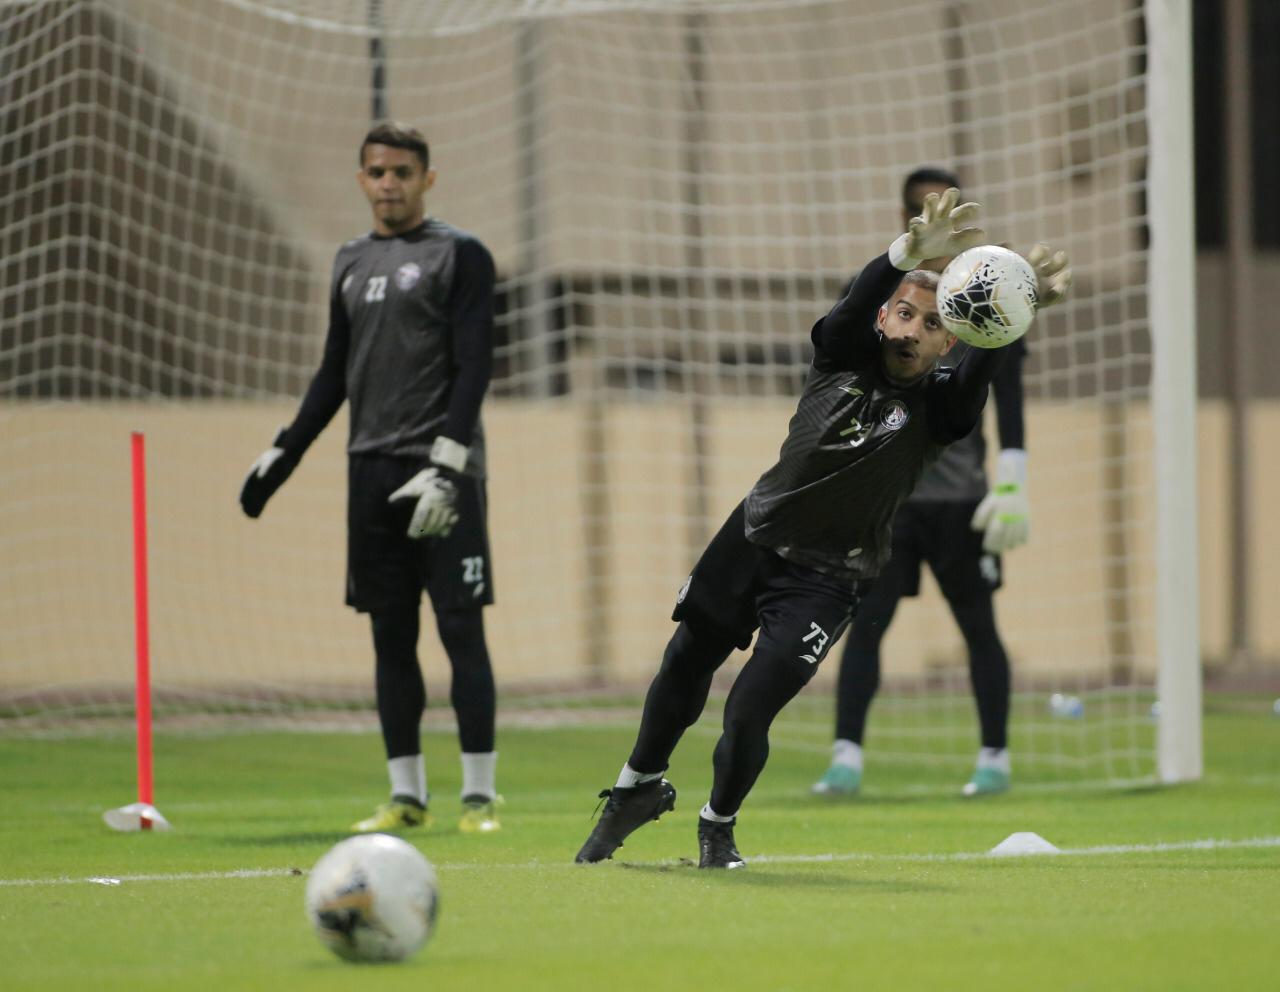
[[1264, 527], [241, 602]]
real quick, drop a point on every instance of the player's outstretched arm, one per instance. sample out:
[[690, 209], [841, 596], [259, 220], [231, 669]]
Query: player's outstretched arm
[[965, 393], [846, 337]]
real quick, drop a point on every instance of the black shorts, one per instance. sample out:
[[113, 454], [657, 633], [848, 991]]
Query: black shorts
[[388, 569], [737, 587], [939, 533]]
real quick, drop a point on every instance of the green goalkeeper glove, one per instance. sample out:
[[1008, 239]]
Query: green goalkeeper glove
[[1053, 275], [937, 232], [435, 490], [1004, 513]]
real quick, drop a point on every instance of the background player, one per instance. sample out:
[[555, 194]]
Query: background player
[[793, 556], [960, 528], [410, 346]]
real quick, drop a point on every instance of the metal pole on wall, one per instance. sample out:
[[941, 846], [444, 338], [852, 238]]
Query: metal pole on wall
[[377, 62], [1171, 290], [1240, 325]]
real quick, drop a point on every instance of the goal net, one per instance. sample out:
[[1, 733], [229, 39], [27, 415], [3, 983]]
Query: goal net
[[673, 192]]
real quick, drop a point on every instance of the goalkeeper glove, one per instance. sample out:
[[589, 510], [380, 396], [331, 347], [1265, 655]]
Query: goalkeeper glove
[[1053, 275], [937, 232], [435, 490], [1004, 513], [267, 474]]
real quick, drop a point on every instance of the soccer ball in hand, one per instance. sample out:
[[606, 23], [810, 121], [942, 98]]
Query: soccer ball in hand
[[373, 898], [987, 296]]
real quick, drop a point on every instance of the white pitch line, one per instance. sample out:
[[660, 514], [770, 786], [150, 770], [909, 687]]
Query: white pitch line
[[195, 876], [1207, 844]]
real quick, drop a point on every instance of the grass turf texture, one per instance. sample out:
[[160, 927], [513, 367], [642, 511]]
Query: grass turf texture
[[517, 915]]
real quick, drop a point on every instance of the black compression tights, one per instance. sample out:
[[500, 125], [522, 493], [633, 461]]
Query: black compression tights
[[764, 686], [471, 693], [401, 695], [676, 696], [988, 666], [398, 680]]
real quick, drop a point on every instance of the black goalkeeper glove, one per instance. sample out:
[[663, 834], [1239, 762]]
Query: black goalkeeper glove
[[267, 474]]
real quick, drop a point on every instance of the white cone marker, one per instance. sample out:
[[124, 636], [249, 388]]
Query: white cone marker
[[1023, 842], [133, 817]]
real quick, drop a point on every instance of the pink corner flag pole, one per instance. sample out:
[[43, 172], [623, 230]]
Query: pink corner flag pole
[[142, 638]]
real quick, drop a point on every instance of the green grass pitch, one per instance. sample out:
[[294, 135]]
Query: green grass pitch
[[897, 905]]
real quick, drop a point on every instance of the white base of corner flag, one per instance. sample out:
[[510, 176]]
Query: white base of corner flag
[[130, 817], [1024, 842]]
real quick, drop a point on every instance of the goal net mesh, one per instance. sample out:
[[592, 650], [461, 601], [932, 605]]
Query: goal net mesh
[[673, 193]]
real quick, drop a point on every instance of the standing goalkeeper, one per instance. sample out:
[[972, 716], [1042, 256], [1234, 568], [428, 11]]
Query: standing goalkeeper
[[961, 529], [410, 346], [794, 556]]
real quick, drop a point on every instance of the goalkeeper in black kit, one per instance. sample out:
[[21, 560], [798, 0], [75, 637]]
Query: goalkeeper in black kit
[[409, 346], [795, 555], [962, 528]]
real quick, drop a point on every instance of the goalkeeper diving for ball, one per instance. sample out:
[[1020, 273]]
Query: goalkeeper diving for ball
[[962, 528], [410, 347], [796, 554]]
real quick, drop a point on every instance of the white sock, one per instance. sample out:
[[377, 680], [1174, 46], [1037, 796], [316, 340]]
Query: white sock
[[478, 773], [709, 814], [847, 753], [629, 778], [408, 777], [994, 757]]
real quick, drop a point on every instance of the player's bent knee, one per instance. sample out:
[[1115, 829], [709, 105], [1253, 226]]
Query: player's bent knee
[[694, 652]]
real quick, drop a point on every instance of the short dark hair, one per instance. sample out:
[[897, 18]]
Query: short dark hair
[[925, 278], [394, 134], [926, 174]]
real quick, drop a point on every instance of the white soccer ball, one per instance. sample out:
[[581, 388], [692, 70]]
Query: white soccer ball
[[373, 898], [987, 296]]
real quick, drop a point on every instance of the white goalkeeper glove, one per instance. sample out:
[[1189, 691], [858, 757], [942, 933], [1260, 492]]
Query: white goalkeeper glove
[[435, 490], [1053, 275], [937, 232], [1004, 513]]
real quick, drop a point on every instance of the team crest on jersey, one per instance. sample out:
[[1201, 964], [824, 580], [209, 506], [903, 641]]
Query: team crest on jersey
[[894, 414], [346, 283], [407, 275]]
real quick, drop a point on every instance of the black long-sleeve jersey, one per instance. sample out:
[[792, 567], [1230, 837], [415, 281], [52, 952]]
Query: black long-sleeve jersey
[[410, 345], [858, 443], [960, 473]]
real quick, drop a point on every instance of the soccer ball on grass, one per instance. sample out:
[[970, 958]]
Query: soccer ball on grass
[[987, 296], [373, 898]]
